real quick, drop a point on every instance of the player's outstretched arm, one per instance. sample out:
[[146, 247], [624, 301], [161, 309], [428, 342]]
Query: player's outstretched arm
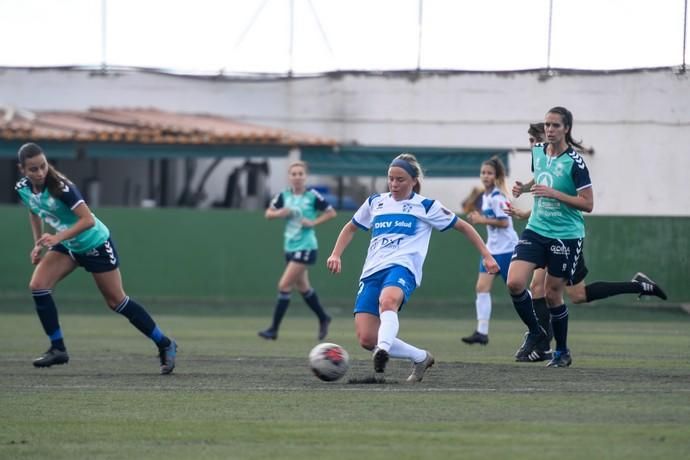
[[476, 240], [344, 238]]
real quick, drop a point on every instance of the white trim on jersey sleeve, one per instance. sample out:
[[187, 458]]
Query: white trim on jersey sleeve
[[440, 217], [76, 204], [362, 217]]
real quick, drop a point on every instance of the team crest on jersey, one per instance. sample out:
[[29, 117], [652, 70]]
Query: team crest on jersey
[[545, 179], [406, 207], [558, 169]]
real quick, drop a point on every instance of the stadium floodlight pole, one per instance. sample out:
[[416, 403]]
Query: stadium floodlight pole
[[419, 36], [104, 35], [685, 35], [548, 47], [292, 34]]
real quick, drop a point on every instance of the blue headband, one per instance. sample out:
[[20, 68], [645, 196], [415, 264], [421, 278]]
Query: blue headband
[[404, 165]]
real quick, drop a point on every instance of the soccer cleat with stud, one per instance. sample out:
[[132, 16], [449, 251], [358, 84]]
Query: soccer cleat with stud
[[323, 328], [167, 357], [380, 358], [269, 334], [476, 337], [52, 357], [560, 359], [649, 287], [531, 343], [418, 369]]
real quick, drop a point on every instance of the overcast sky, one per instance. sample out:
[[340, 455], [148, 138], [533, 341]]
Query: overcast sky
[[209, 36]]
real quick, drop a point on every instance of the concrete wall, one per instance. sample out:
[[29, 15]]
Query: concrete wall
[[637, 122]]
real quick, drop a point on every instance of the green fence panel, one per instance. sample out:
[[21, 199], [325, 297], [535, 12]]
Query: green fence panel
[[225, 256]]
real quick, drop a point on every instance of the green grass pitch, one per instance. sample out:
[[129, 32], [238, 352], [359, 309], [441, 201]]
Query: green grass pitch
[[234, 395]]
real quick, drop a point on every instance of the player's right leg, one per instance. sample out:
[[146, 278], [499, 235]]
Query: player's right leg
[[483, 309], [542, 351], [54, 266], [530, 253], [293, 271]]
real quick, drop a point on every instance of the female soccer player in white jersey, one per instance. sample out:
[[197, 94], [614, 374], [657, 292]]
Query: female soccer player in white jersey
[[400, 222], [501, 240], [80, 239], [303, 209]]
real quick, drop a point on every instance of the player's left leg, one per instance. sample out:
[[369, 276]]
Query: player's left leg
[[554, 287], [312, 301], [641, 284], [110, 285]]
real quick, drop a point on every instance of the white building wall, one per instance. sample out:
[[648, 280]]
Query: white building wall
[[638, 123]]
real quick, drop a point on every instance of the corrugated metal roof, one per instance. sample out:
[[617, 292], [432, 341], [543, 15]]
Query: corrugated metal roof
[[145, 126]]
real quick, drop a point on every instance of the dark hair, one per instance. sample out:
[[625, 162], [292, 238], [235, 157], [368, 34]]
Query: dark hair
[[536, 130], [414, 164], [500, 169], [55, 180], [567, 118]]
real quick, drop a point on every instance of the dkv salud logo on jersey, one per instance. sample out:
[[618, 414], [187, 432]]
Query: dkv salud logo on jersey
[[394, 223]]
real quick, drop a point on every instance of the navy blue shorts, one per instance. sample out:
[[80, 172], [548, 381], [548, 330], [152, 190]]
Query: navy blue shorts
[[560, 257], [305, 256], [100, 259], [580, 272], [370, 288], [503, 261]]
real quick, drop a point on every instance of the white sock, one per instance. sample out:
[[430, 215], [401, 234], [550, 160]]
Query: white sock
[[403, 350], [388, 329], [483, 304]]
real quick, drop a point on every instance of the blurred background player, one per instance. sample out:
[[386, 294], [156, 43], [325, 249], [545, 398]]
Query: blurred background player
[[578, 292], [401, 222], [501, 240], [303, 209], [80, 240]]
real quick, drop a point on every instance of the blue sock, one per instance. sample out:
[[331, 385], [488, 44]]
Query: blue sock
[[142, 321], [312, 301], [281, 307], [524, 308], [47, 313], [559, 320]]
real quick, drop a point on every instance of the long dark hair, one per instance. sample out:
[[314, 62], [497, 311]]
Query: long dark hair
[[500, 170], [567, 118], [55, 180]]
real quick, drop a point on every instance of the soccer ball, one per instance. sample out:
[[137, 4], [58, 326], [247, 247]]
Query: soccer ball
[[329, 361]]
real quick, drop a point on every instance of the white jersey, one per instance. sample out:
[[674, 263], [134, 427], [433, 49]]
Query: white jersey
[[499, 240], [400, 231]]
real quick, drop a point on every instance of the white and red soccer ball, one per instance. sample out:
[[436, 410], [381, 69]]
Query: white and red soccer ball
[[329, 361]]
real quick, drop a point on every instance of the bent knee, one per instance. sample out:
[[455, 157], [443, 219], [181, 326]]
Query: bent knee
[[37, 285], [514, 286], [367, 341], [114, 303], [577, 297]]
